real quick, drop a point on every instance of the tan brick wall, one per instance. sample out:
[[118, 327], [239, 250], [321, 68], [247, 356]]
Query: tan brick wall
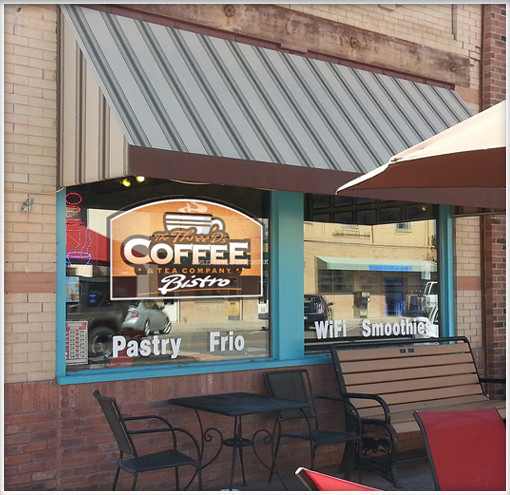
[[446, 27], [468, 284], [30, 83]]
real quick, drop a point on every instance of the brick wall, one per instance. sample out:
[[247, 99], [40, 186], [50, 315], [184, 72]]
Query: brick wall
[[494, 55], [494, 228], [56, 437], [494, 264], [30, 116], [468, 284]]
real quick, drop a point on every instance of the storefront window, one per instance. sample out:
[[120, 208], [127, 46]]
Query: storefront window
[[373, 274], [165, 273]]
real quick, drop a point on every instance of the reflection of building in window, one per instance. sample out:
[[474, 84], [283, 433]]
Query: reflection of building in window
[[374, 261], [335, 282]]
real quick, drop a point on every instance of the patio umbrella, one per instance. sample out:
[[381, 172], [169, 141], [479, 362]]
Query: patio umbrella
[[463, 165]]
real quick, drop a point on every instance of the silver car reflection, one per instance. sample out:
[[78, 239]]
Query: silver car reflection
[[147, 317]]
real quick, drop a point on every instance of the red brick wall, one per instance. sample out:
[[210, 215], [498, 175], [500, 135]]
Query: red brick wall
[[494, 265], [56, 437], [493, 55], [494, 228]]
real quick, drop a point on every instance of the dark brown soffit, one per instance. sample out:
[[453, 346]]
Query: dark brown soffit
[[176, 165]]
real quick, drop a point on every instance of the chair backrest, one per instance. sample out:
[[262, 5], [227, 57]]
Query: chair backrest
[[316, 481], [293, 385], [466, 448], [116, 422]]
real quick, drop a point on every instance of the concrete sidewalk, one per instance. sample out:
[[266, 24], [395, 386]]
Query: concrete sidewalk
[[413, 475]]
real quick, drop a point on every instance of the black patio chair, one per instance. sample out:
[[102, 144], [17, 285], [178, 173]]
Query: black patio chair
[[296, 385], [170, 458]]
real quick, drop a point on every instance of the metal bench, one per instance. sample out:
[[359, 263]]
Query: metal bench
[[390, 379]]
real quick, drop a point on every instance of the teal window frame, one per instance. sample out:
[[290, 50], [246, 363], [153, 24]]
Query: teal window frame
[[286, 302]]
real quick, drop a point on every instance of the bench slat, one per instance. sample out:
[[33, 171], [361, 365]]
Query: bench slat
[[368, 354], [352, 379], [423, 395], [370, 411], [404, 362], [416, 385]]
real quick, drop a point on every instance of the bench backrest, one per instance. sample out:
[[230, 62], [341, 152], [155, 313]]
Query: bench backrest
[[407, 372]]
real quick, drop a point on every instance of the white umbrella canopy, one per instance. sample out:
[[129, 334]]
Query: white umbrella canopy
[[463, 165]]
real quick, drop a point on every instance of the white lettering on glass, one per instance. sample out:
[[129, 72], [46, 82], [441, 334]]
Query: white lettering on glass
[[145, 347], [225, 342]]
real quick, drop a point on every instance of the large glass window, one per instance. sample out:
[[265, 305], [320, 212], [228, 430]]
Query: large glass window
[[370, 271], [165, 273]]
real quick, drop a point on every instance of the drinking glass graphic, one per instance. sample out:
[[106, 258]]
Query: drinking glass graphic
[[202, 223]]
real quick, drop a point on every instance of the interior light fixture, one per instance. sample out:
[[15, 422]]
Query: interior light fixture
[[126, 182], [140, 178]]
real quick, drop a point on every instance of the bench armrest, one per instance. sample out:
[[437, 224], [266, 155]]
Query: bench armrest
[[379, 400]]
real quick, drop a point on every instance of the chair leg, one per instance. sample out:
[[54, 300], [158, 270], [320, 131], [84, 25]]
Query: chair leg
[[135, 478], [312, 454], [349, 457], [277, 446], [358, 447], [177, 479], [116, 478]]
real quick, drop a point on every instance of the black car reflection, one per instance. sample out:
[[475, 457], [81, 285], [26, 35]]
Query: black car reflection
[[317, 308]]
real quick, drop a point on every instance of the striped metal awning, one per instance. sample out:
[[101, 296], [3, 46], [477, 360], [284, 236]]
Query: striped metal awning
[[187, 106]]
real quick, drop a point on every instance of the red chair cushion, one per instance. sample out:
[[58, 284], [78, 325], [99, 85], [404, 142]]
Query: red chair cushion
[[467, 448]]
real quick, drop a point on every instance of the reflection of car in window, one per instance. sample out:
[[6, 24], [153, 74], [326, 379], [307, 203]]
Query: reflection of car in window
[[431, 323], [148, 317], [430, 296], [316, 308], [103, 316]]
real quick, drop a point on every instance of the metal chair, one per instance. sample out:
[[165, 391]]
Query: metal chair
[[316, 481], [296, 385], [170, 458], [466, 449]]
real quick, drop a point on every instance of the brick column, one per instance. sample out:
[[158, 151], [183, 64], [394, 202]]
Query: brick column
[[494, 227], [493, 55], [494, 267]]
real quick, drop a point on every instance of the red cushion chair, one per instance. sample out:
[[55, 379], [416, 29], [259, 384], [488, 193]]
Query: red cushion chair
[[325, 483], [466, 449]]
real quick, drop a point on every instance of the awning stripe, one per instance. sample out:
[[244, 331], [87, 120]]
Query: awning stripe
[[149, 92], [345, 128], [108, 74], [319, 106], [271, 106]]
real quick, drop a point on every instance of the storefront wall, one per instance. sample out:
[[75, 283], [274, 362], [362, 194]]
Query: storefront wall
[[46, 423]]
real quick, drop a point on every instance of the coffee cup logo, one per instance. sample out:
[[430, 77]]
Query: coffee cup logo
[[204, 249], [202, 223]]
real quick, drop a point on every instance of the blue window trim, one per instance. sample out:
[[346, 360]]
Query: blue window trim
[[446, 279], [286, 306], [60, 365]]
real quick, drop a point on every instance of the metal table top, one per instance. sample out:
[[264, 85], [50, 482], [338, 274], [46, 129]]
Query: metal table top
[[236, 403]]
